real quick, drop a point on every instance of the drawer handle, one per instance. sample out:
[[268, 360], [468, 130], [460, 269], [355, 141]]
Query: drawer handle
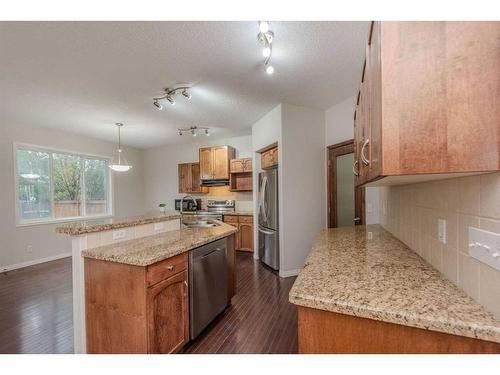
[[355, 168], [170, 268], [362, 153]]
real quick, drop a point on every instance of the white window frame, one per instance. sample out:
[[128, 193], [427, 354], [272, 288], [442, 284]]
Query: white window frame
[[20, 222]]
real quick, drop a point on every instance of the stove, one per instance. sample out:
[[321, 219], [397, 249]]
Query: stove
[[216, 208], [220, 206]]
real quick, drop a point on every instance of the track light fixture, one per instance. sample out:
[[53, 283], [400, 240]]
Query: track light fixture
[[186, 94], [169, 95], [266, 37], [157, 105], [193, 130]]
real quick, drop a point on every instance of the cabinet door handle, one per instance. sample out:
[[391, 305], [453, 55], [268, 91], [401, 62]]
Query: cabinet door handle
[[170, 268], [355, 168], [362, 153]]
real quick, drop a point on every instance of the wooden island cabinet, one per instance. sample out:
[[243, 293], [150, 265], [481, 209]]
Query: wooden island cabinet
[[141, 309], [428, 101]]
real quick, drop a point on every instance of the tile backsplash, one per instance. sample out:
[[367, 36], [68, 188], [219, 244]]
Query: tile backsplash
[[411, 213]]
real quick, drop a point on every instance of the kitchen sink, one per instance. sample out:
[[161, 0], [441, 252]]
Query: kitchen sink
[[199, 223]]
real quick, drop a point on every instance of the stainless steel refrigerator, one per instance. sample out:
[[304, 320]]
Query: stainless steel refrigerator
[[268, 218]]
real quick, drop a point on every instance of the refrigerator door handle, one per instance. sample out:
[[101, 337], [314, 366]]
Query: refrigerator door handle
[[264, 190], [266, 231]]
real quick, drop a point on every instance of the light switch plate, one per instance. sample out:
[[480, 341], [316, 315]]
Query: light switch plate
[[485, 246], [442, 231], [117, 234]]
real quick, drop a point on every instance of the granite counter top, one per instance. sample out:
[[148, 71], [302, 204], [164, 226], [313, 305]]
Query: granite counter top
[[151, 249], [382, 279], [77, 228]]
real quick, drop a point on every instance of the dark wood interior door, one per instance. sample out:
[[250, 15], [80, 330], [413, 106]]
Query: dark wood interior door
[[334, 152]]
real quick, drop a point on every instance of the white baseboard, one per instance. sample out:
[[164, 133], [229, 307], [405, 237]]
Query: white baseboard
[[33, 262], [290, 273]]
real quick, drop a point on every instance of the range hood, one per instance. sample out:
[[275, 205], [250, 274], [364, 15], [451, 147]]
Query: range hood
[[222, 182]]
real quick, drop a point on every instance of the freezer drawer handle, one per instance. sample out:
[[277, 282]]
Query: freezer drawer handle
[[266, 231]]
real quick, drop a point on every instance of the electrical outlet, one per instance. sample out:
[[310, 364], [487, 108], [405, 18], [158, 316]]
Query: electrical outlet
[[485, 246], [159, 226], [442, 231], [118, 234], [29, 249]]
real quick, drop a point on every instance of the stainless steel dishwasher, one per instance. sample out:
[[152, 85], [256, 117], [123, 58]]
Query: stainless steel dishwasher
[[208, 285]]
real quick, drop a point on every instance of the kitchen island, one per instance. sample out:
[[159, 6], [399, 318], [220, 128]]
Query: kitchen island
[[120, 266], [361, 290]]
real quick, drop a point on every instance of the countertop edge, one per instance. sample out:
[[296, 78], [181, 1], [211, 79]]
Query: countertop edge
[[88, 253], [77, 231], [475, 332]]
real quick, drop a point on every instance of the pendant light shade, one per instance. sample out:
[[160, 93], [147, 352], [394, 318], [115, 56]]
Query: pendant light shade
[[119, 163]]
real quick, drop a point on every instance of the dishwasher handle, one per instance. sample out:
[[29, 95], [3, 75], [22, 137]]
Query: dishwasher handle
[[208, 254]]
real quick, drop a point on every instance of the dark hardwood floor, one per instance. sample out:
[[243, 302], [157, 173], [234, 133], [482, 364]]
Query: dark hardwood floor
[[36, 312], [260, 319]]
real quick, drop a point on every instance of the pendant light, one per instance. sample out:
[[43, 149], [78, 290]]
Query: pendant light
[[119, 162]]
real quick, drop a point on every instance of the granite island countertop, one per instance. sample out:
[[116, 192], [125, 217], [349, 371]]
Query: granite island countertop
[[382, 279], [76, 228], [147, 250]]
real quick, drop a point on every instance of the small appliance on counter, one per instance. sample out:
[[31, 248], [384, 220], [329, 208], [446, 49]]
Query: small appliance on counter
[[215, 208], [188, 205]]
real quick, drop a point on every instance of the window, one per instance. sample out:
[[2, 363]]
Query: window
[[58, 186]]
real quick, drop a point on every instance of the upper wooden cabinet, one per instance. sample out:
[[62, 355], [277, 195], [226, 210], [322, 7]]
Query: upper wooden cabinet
[[189, 178], [428, 101], [241, 175], [269, 158], [240, 165], [214, 162]]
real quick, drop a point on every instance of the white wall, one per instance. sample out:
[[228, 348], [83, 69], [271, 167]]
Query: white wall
[[161, 172], [339, 127], [303, 184], [339, 121], [127, 192]]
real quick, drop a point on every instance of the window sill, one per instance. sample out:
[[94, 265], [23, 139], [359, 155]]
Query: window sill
[[62, 220]]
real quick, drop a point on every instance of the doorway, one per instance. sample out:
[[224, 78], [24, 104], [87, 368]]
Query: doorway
[[346, 202]]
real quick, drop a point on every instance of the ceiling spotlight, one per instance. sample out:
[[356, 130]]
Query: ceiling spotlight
[[263, 26], [186, 94], [270, 70], [266, 52], [180, 132], [207, 133], [157, 105], [170, 99], [193, 132]]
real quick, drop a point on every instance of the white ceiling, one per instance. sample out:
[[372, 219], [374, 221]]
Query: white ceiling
[[82, 77]]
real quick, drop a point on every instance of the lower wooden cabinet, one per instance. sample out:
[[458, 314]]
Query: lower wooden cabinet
[[168, 314], [126, 314], [244, 236], [325, 332], [134, 309]]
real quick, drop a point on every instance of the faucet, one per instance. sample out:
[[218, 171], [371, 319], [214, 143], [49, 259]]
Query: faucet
[[182, 202]]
